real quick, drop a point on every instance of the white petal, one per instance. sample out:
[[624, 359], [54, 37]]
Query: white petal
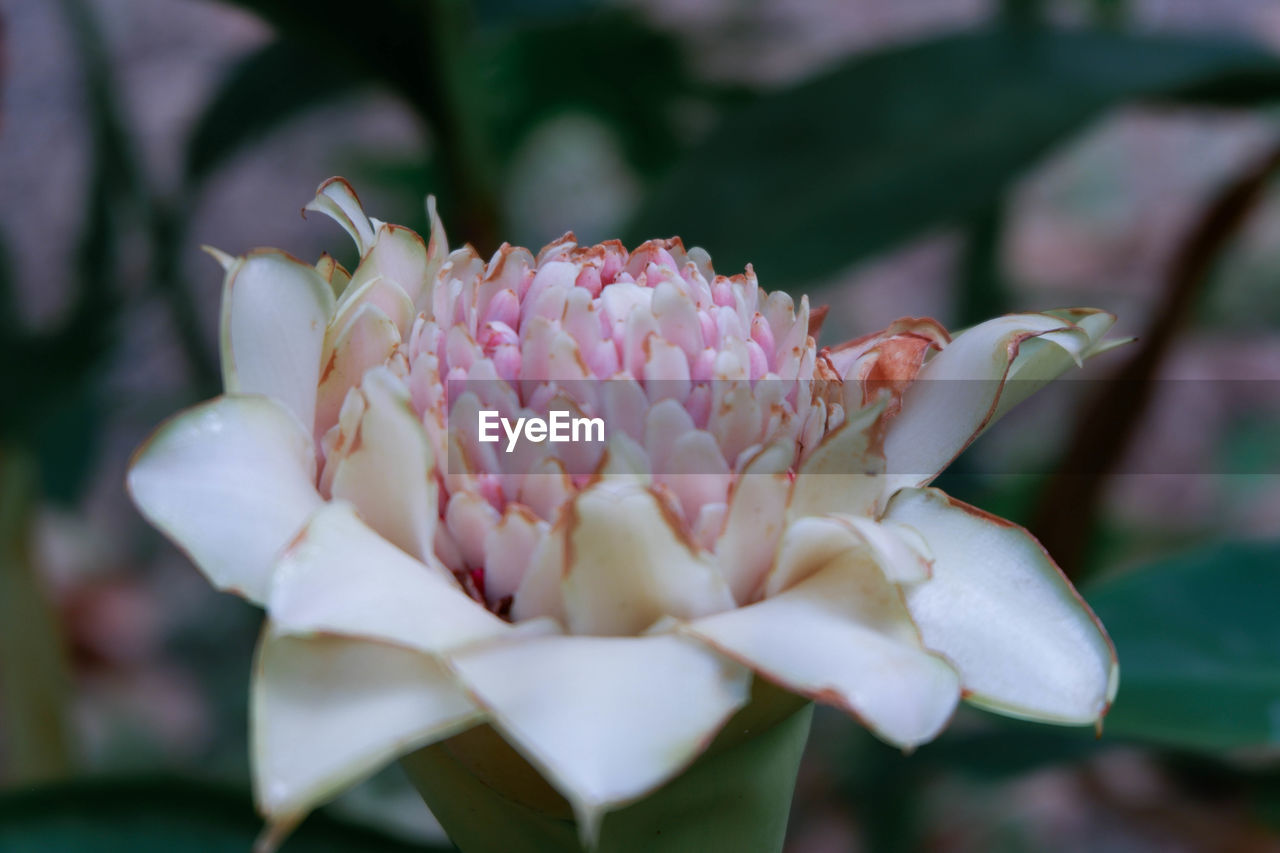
[[540, 593], [1042, 359], [1024, 641], [368, 340], [845, 472], [1094, 322], [334, 273], [756, 515], [274, 311], [398, 255], [329, 711], [231, 482], [507, 549], [901, 553], [605, 719], [628, 566], [808, 545], [340, 577], [388, 296], [954, 396], [336, 199], [843, 637], [390, 473]]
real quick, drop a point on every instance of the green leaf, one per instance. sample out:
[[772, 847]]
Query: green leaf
[[1006, 749], [812, 178], [35, 678], [587, 64], [982, 291], [505, 13], [162, 816], [388, 39], [264, 90], [1199, 648]]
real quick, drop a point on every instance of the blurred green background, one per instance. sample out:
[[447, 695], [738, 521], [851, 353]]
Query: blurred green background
[[952, 158]]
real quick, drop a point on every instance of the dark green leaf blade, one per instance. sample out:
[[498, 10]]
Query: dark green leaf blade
[[262, 91], [1199, 648], [812, 178], [163, 816], [388, 39], [586, 64]]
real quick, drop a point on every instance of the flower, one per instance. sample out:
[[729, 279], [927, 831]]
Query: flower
[[760, 507]]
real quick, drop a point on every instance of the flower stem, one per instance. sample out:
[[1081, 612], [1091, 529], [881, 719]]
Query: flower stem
[[736, 797], [34, 675]]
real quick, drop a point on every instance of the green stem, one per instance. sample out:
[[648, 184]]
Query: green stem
[[461, 140], [736, 797], [34, 673]]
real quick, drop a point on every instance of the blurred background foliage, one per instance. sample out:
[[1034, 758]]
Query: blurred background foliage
[[951, 157]]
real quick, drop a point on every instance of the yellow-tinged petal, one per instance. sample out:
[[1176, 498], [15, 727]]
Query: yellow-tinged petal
[[627, 565], [843, 637], [231, 482], [274, 311], [389, 470], [605, 719], [340, 577], [1024, 641], [329, 711]]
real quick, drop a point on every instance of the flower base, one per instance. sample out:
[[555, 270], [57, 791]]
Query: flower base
[[736, 797]]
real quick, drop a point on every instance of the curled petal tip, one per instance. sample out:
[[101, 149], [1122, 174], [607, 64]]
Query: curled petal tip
[[336, 199]]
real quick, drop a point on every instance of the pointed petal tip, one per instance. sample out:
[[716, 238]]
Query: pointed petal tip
[[589, 818], [224, 260], [275, 833]]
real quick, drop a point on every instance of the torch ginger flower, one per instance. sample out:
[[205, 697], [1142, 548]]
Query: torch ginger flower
[[760, 508]]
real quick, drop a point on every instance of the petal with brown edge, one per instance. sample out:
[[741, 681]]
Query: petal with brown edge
[[1025, 643], [845, 472], [388, 469], [340, 577], [627, 565], [954, 397], [369, 340], [605, 719], [843, 637]]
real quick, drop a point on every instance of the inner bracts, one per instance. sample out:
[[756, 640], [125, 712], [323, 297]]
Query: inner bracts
[[695, 375]]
